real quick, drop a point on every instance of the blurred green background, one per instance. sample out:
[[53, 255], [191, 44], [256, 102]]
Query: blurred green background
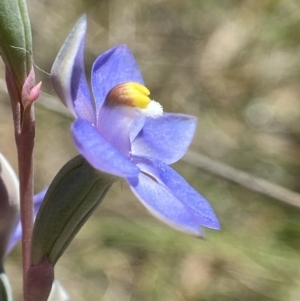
[[236, 65]]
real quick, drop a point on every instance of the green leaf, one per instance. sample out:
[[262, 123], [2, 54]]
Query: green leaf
[[74, 194], [15, 39]]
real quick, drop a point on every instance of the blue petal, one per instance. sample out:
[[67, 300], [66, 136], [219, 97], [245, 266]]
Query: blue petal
[[163, 204], [180, 189], [100, 153], [16, 237], [113, 67], [136, 127], [68, 74], [114, 125], [166, 138]]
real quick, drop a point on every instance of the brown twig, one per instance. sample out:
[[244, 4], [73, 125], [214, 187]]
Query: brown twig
[[242, 178]]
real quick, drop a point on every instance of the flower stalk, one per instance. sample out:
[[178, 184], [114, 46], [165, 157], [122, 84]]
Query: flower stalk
[[16, 51], [24, 123]]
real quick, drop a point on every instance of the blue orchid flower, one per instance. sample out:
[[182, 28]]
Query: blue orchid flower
[[121, 131]]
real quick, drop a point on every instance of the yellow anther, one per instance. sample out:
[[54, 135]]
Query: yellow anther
[[131, 94]]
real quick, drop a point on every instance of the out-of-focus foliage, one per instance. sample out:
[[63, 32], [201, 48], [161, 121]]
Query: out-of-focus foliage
[[236, 65]]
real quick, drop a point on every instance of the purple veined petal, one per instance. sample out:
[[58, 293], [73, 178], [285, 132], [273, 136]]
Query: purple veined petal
[[100, 153], [164, 205], [166, 138], [17, 235], [68, 74], [136, 127], [180, 189], [113, 67], [38, 199], [114, 124]]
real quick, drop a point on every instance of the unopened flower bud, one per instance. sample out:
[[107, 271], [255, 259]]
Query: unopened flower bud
[[9, 213], [16, 40]]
